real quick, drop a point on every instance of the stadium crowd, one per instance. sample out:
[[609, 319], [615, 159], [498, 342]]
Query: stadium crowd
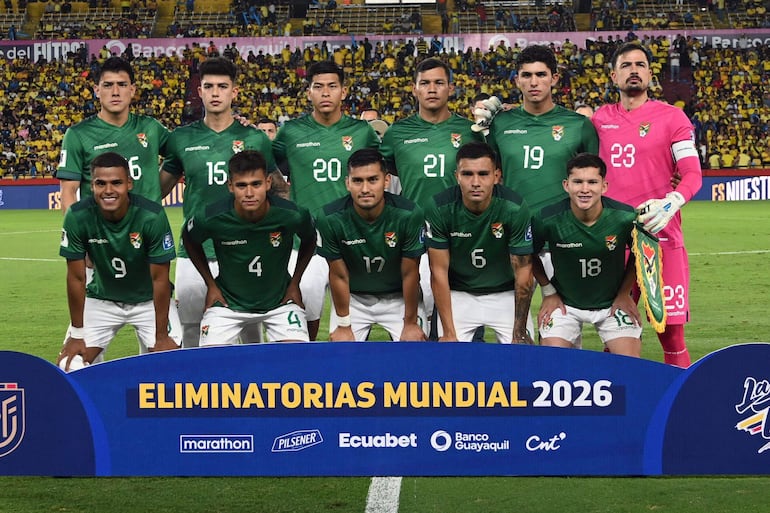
[[727, 96]]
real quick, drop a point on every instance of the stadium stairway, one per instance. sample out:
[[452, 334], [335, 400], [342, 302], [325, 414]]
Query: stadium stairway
[[678, 91]]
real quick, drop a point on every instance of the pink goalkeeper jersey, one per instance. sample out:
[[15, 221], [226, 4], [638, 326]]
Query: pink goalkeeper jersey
[[637, 148]]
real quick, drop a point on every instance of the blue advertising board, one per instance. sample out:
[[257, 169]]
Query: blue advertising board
[[362, 409]]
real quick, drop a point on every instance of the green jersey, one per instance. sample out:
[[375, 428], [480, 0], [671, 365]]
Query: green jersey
[[201, 155], [480, 245], [121, 252], [317, 156], [589, 261], [372, 252], [423, 154], [253, 257], [534, 150], [140, 141]]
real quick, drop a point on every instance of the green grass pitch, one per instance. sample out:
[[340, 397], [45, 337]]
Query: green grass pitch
[[729, 245]]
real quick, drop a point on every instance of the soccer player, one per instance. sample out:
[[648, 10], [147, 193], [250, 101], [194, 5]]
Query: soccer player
[[268, 126], [200, 152], [588, 235], [138, 138], [372, 240], [129, 241], [645, 144], [252, 233], [536, 140], [480, 247], [316, 148], [421, 149]]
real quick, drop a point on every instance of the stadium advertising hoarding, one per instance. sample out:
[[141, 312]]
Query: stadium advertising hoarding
[[361, 409]]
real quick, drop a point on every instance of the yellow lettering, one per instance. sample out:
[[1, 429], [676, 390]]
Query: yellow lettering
[[231, 395], [146, 395], [313, 396], [271, 389], [394, 397], [345, 397], [366, 397], [253, 397], [419, 394], [196, 397], [465, 394], [497, 396], [291, 395], [515, 401], [162, 401], [442, 394]]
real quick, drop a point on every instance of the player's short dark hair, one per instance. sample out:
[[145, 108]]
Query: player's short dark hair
[[583, 160], [537, 53], [366, 156], [322, 68], [476, 150], [109, 159], [480, 98], [246, 161], [115, 65], [267, 120], [629, 47], [432, 63], [219, 66]]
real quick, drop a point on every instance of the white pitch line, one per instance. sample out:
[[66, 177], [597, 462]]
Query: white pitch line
[[754, 252], [383, 495], [29, 232], [31, 259]]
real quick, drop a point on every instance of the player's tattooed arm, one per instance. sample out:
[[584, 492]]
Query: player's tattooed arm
[[279, 186], [522, 271]]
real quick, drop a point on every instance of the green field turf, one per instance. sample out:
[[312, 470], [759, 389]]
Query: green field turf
[[729, 245]]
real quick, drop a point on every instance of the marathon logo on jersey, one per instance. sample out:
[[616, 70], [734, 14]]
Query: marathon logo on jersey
[[557, 131], [755, 401], [497, 230], [136, 239], [391, 239], [275, 239], [644, 129], [611, 241], [457, 140], [12, 415], [142, 139], [347, 142], [238, 146]]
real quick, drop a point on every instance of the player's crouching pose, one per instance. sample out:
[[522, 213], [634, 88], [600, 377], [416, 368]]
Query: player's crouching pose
[[588, 235], [129, 241], [480, 248], [373, 240], [252, 231]]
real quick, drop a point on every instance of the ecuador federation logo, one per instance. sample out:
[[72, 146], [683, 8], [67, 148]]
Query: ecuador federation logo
[[611, 241], [644, 129], [275, 239], [391, 239], [136, 239], [557, 131], [142, 138], [347, 142], [12, 414], [754, 406], [497, 230], [238, 146], [457, 140]]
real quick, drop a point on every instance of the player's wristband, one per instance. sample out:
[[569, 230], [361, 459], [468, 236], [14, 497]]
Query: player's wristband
[[343, 321], [77, 332], [548, 290]]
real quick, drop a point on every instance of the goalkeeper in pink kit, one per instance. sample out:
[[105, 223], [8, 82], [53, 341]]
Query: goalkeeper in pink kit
[[645, 143]]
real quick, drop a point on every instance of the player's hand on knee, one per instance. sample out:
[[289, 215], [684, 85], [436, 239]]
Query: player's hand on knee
[[412, 332], [72, 348], [342, 334], [483, 116], [655, 214], [214, 297], [293, 295], [550, 304], [163, 343], [626, 304]]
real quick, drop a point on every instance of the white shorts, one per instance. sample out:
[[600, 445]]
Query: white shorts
[[493, 310], [313, 285], [427, 291], [103, 319], [609, 327], [387, 310], [191, 301], [222, 326]]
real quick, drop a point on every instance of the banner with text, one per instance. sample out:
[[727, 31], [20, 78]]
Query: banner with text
[[362, 409]]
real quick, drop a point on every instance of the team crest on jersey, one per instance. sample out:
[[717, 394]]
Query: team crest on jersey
[[237, 146], [142, 139], [391, 239], [457, 140], [12, 417], [275, 239], [497, 230], [136, 239], [644, 129], [347, 142], [611, 241], [205, 330], [557, 131]]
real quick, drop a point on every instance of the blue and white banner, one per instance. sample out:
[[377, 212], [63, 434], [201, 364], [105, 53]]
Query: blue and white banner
[[362, 409]]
